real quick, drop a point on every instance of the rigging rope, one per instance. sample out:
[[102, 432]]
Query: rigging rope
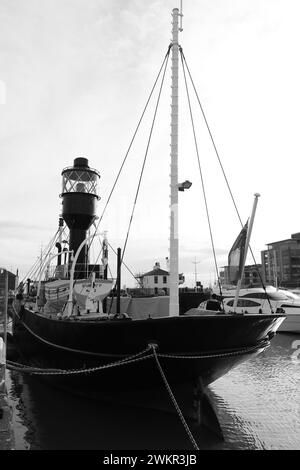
[[183, 59], [129, 148], [146, 154], [36, 266], [200, 169], [211, 136], [128, 269], [134, 135], [125, 265]]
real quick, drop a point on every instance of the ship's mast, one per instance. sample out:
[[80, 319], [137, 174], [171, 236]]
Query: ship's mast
[[174, 298]]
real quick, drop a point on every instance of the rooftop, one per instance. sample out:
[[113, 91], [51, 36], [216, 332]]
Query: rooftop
[[156, 272]]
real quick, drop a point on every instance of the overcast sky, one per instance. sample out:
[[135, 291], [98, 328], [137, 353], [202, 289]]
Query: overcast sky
[[74, 78]]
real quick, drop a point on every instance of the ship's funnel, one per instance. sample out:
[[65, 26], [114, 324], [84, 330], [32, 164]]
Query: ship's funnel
[[79, 197]]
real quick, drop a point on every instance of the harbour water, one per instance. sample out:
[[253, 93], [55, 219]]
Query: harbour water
[[258, 406]]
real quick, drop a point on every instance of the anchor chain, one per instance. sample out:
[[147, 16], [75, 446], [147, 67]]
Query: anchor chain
[[238, 352], [128, 360], [39, 371], [185, 425], [142, 355]]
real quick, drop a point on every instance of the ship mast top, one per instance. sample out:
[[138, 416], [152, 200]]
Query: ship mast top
[[181, 16]]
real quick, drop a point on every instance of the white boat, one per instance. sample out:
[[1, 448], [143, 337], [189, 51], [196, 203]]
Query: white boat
[[88, 293], [268, 300]]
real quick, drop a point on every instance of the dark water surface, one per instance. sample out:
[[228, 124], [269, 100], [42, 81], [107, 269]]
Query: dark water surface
[[258, 406]]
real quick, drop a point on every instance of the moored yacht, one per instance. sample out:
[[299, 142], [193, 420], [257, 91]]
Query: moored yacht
[[265, 301]]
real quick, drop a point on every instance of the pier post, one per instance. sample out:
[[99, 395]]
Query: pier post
[[119, 262], [6, 433], [3, 326]]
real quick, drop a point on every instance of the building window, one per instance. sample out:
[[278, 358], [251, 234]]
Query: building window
[[155, 279], [164, 279]]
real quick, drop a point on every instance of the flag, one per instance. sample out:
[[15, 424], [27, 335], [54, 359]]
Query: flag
[[236, 256]]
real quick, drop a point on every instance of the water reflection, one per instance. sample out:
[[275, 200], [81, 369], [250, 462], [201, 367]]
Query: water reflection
[[258, 407], [47, 418], [259, 402]]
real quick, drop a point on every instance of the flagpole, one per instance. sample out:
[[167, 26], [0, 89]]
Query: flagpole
[[249, 231]]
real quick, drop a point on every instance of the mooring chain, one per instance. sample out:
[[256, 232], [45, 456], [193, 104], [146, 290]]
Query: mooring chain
[[210, 356], [194, 443], [38, 371], [151, 348], [128, 360]]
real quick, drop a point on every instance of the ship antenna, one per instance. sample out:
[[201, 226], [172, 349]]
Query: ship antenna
[[181, 16]]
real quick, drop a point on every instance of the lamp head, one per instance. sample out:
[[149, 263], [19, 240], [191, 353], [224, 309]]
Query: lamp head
[[185, 185]]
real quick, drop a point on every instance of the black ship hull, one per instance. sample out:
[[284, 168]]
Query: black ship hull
[[106, 355]]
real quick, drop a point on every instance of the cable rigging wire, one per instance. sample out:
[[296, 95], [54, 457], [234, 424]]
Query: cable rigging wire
[[133, 138], [36, 266], [211, 136], [164, 68], [145, 157], [200, 169], [220, 163], [125, 265], [165, 60]]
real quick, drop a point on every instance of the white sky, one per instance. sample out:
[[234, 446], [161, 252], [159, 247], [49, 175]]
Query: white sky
[[74, 77]]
